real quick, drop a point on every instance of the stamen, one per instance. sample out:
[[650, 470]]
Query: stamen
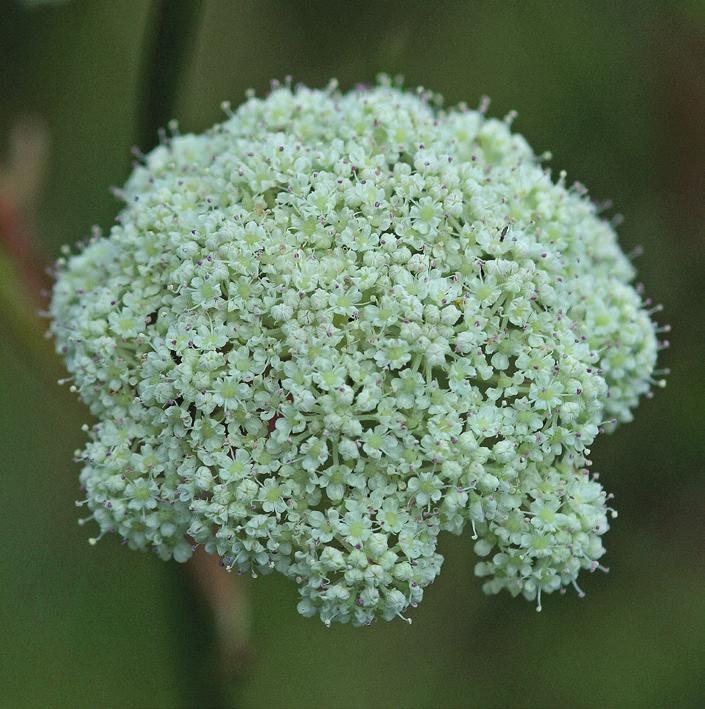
[[581, 593], [406, 620]]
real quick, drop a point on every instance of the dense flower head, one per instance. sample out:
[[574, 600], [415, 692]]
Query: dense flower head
[[337, 324]]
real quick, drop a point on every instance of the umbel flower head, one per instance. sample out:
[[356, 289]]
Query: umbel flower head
[[338, 324]]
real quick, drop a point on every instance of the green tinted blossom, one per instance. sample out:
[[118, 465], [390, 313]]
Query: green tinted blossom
[[336, 325]]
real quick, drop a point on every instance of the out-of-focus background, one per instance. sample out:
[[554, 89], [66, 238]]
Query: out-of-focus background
[[616, 91]]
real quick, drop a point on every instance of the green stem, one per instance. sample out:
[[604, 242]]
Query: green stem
[[172, 36]]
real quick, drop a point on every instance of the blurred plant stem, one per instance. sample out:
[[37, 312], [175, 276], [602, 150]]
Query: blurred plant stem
[[168, 48], [227, 597], [23, 278]]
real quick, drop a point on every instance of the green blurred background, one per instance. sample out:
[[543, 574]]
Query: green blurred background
[[616, 91]]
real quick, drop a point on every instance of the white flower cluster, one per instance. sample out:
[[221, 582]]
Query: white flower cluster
[[334, 326]]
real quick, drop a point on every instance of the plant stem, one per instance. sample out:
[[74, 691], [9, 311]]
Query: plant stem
[[226, 595], [172, 35], [23, 280]]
